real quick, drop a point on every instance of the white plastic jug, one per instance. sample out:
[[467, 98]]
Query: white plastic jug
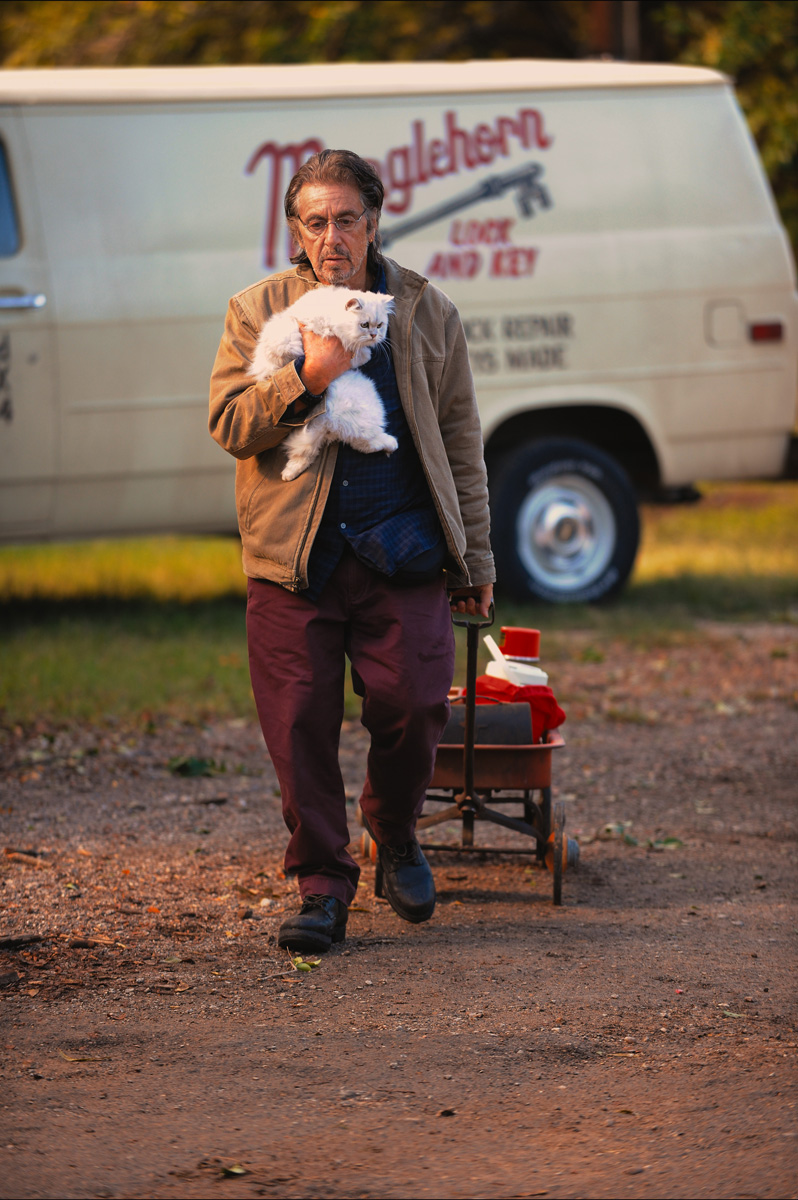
[[521, 674]]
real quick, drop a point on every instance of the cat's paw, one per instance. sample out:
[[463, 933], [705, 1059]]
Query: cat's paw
[[384, 442], [292, 469]]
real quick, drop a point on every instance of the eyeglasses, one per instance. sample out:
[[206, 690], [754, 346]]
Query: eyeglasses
[[316, 226]]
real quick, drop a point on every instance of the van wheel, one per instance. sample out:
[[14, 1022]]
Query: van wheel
[[565, 527]]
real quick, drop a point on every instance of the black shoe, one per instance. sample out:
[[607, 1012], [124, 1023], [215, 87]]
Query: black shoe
[[404, 878], [320, 922]]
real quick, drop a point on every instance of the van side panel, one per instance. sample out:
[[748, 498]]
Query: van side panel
[[146, 248], [606, 246]]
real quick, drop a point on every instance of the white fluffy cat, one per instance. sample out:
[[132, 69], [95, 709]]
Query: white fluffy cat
[[354, 411]]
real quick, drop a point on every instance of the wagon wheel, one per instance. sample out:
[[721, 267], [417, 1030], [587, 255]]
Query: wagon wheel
[[557, 849]]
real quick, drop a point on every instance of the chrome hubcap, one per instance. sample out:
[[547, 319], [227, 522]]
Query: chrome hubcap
[[566, 533]]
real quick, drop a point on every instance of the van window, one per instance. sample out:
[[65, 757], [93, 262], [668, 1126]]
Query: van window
[[9, 228]]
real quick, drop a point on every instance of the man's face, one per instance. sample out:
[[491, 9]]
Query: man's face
[[337, 257]]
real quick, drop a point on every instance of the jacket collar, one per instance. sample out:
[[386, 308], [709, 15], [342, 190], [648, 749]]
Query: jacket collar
[[402, 282]]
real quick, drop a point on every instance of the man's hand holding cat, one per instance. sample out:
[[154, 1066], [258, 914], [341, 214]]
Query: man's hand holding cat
[[325, 360]]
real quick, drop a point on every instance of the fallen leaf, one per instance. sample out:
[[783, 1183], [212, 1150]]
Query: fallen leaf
[[191, 766], [302, 964], [668, 843]]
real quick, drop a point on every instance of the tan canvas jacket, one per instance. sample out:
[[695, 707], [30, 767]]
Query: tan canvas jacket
[[278, 520]]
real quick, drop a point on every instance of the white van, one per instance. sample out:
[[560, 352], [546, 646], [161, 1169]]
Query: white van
[[605, 229]]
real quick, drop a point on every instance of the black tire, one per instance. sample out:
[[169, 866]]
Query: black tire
[[565, 527]]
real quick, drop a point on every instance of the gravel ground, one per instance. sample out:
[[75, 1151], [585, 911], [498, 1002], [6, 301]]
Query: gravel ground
[[639, 1041]]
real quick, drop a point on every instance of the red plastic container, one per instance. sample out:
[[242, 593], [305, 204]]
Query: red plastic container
[[523, 644]]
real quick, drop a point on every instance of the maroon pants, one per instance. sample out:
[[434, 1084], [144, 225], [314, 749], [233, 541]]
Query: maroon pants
[[400, 644]]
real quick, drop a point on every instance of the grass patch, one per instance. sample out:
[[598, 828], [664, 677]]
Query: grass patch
[[128, 661], [130, 630], [732, 555], [162, 569]]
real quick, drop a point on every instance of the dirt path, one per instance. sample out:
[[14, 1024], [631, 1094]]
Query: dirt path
[[639, 1041]]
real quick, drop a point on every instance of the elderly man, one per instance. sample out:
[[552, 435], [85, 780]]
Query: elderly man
[[354, 558]]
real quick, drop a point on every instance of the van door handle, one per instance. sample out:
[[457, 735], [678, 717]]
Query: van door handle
[[37, 300]]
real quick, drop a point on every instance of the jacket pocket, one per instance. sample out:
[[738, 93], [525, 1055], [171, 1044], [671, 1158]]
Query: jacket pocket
[[256, 476]]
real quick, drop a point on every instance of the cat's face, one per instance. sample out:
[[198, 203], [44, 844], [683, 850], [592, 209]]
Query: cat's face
[[366, 318]]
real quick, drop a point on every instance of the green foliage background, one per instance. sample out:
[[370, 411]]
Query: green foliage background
[[755, 41]]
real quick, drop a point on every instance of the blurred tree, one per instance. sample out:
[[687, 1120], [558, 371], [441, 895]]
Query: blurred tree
[[57, 33]]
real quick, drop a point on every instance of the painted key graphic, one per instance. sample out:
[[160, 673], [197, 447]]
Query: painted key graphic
[[524, 180]]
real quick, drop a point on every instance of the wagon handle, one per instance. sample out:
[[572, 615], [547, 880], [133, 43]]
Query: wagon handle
[[473, 624], [467, 620]]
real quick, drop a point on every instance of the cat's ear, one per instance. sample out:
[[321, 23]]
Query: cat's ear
[[352, 304]]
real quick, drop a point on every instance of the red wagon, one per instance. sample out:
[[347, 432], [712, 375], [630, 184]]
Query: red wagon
[[487, 757]]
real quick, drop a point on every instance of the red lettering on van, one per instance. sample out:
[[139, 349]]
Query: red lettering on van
[[456, 265], [404, 167], [513, 262], [475, 233], [294, 156]]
